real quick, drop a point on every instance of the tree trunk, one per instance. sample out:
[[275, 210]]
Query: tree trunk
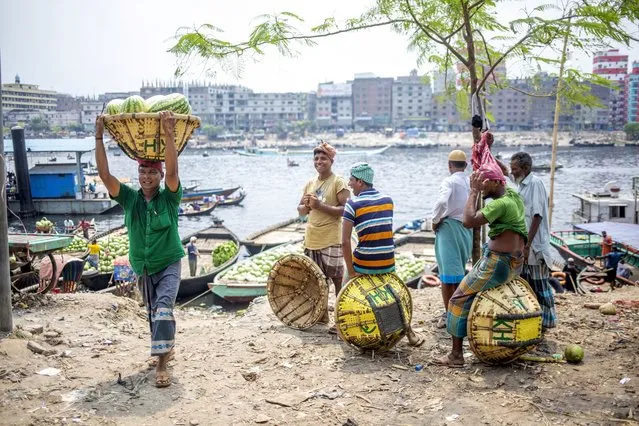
[[555, 129]]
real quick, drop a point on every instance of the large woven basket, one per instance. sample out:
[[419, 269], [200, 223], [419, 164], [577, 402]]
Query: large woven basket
[[141, 136], [504, 322], [373, 312], [297, 291]]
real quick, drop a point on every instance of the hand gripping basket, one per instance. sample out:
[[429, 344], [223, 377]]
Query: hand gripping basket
[[504, 322], [141, 136], [297, 291], [373, 312]]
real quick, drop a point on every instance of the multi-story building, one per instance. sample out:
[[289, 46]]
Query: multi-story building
[[66, 102], [412, 101], [269, 111], [372, 101], [109, 96], [510, 107], [334, 105], [633, 93], [613, 66], [27, 97], [89, 111], [62, 119], [597, 117]]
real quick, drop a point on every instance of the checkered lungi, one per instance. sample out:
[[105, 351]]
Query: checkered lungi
[[330, 260], [160, 291], [537, 276], [492, 270]]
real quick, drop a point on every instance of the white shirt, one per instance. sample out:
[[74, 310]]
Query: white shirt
[[533, 192], [453, 194]]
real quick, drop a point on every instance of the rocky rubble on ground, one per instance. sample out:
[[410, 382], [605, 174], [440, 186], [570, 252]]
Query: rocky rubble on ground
[[81, 359]]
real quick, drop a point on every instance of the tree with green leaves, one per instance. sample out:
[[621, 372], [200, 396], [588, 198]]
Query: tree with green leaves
[[212, 132], [465, 34], [632, 131], [38, 124]]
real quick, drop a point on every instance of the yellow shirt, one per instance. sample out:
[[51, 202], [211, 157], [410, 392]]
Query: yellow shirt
[[93, 248], [323, 230]]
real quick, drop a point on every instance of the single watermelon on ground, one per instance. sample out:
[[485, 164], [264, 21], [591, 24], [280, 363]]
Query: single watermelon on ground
[[175, 102], [114, 106], [134, 104]]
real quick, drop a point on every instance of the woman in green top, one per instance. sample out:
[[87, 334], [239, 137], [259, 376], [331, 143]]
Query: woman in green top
[[501, 259]]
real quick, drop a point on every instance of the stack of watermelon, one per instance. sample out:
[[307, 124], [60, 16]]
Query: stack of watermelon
[[175, 102]]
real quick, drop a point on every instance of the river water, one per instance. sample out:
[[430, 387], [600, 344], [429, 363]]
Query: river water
[[410, 176]]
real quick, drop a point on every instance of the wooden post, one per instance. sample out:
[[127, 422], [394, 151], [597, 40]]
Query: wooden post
[[555, 129], [6, 316]]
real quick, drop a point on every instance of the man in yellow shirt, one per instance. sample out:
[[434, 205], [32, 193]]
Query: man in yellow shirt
[[323, 201], [94, 253]]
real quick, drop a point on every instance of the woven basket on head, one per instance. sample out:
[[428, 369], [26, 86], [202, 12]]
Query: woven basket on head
[[373, 312], [297, 291], [141, 136], [504, 322]]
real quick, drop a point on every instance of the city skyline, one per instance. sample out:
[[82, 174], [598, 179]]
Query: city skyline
[[65, 49]]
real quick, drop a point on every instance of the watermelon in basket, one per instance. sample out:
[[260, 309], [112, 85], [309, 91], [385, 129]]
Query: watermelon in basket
[[135, 124]]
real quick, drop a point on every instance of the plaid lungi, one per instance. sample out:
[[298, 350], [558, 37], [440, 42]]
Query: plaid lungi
[[330, 260], [160, 291], [492, 270], [537, 276]]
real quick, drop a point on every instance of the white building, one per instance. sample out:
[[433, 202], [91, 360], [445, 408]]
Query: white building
[[89, 111], [63, 119], [412, 101], [334, 105], [270, 110]]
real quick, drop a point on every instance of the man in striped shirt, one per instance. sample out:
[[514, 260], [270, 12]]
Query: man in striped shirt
[[371, 214]]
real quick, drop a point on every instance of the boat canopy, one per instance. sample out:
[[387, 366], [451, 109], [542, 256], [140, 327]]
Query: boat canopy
[[624, 233]]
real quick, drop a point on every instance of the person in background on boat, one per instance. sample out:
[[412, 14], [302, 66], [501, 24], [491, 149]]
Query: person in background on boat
[[69, 226], [193, 253], [453, 242], [323, 201], [85, 226], [91, 187], [537, 256], [370, 213], [572, 271], [503, 255], [623, 270], [155, 248], [94, 253], [612, 261], [196, 207], [606, 243]]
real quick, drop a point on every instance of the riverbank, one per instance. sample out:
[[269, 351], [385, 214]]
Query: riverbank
[[248, 368]]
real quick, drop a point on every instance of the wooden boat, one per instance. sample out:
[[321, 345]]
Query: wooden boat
[[96, 280], [292, 163], [288, 231], [204, 210], [207, 240], [545, 167], [232, 201], [198, 195], [246, 290], [267, 152], [418, 244]]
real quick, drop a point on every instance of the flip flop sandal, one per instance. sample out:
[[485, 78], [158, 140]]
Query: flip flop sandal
[[162, 379], [446, 362], [417, 344], [441, 322], [332, 330]]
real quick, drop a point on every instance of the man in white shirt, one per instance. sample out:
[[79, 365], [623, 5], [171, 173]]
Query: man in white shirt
[[537, 257], [453, 242]]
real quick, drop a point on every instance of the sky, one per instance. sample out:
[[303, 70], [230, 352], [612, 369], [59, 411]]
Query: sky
[[85, 47]]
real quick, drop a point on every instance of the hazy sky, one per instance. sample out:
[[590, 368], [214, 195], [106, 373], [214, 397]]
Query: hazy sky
[[88, 47]]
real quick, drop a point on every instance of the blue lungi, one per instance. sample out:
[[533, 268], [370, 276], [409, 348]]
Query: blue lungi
[[453, 248]]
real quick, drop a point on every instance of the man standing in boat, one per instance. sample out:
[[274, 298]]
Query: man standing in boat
[[323, 201], [537, 257], [370, 214], [155, 249], [453, 242], [502, 256]]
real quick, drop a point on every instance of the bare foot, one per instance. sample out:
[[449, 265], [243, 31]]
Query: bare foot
[[450, 361], [153, 361]]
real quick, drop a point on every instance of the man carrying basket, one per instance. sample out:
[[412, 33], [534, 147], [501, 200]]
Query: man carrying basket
[[155, 249]]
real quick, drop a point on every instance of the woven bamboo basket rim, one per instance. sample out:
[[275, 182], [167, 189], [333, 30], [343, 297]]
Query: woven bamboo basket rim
[[342, 294], [316, 273], [134, 115]]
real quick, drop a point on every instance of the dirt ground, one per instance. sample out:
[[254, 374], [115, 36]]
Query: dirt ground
[[248, 368]]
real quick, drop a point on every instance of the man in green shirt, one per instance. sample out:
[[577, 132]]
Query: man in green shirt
[[155, 250], [502, 257]]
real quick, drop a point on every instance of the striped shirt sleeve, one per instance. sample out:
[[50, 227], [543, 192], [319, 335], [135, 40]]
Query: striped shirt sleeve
[[349, 211]]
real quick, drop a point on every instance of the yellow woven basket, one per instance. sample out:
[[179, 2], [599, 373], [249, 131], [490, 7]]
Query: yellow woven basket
[[297, 291], [141, 136], [504, 322], [373, 312]]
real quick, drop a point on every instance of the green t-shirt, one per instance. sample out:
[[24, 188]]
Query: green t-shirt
[[154, 242], [506, 213]]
